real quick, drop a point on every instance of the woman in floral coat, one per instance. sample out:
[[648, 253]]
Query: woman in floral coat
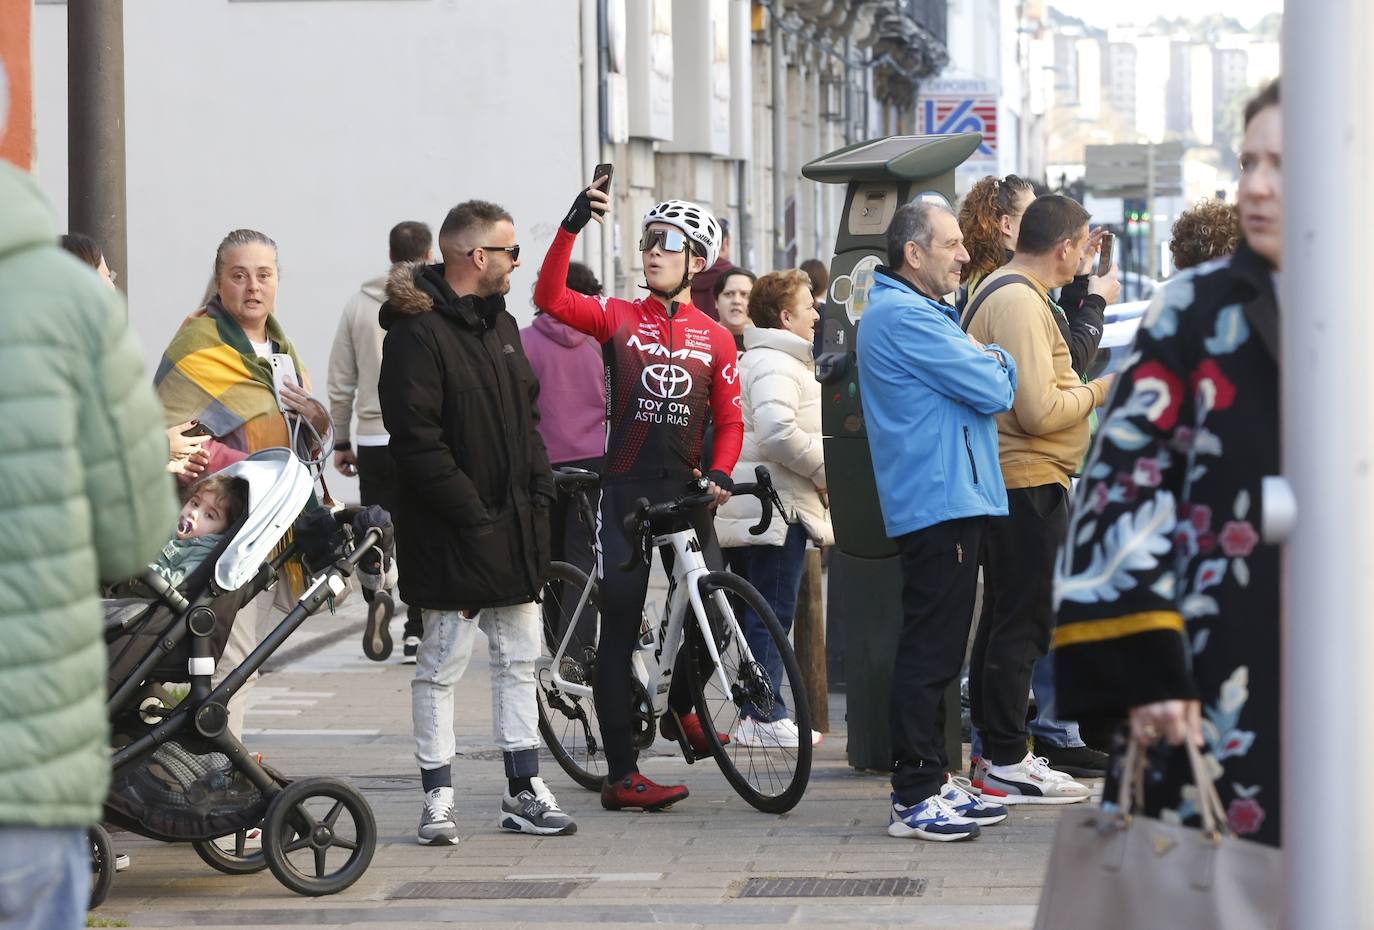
[[1168, 600]]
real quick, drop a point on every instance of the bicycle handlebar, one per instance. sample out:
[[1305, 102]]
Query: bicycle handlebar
[[638, 521]]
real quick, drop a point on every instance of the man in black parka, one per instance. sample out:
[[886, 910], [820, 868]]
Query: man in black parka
[[459, 402]]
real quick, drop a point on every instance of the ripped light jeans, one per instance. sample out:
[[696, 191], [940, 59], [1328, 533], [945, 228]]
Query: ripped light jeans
[[512, 647]]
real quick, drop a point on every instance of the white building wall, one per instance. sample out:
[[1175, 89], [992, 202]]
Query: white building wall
[[323, 125], [1202, 104], [1152, 87]]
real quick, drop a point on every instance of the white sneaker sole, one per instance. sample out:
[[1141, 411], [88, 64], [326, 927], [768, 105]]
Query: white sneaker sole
[[438, 840], [901, 831], [517, 824], [1012, 799]]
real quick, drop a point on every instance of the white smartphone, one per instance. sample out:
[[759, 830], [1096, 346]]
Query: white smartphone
[[283, 372]]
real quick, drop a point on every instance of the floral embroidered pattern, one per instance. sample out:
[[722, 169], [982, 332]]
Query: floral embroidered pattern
[[1166, 521]]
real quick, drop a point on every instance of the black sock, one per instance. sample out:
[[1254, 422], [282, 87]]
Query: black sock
[[517, 785], [442, 777], [621, 757]]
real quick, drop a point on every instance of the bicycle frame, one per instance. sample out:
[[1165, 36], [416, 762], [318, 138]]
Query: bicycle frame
[[689, 566]]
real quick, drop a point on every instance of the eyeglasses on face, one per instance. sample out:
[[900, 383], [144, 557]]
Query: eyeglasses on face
[[512, 250], [670, 240]]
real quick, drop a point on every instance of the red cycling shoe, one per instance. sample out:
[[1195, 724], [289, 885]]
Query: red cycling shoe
[[691, 725], [636, 791]]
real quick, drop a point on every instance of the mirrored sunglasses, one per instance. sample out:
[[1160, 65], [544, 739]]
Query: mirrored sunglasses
[[670, 240]]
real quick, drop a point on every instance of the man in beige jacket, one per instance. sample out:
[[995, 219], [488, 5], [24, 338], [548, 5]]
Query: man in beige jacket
[[1041, 441], [355, 362]]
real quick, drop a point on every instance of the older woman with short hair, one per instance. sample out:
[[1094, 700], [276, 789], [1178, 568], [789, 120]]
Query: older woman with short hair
[[781, 400], [217, 372]]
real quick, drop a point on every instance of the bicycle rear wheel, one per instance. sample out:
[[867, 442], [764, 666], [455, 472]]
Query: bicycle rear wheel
[[769, 764], [568, 721]]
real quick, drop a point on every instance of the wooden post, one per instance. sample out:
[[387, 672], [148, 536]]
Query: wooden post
[[808, 635]]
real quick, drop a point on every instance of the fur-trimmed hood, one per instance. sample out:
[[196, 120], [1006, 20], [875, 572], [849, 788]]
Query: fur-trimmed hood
[[414, 288], [404, 295]]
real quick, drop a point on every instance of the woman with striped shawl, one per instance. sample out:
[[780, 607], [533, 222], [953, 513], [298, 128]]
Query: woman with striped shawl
[[216, 372]]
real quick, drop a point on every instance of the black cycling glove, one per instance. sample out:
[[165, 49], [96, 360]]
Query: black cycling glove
[[721, 479], [580, 214]]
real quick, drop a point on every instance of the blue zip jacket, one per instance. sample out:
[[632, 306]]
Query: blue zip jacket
[[929, 401]]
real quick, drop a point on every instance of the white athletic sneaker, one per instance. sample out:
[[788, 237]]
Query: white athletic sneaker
[[436, 819], [957, 794], [779, 734], [1032, 781], [932, 819]]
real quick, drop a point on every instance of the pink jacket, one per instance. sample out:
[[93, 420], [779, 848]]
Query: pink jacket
[[572, 389]]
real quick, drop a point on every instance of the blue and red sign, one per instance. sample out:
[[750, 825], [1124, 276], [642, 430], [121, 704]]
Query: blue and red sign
[[942, 114]]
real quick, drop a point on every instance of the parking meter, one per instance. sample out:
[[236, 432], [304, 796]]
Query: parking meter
[[865, 584]]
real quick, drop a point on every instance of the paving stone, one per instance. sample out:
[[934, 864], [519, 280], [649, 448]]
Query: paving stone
[[695, 854]]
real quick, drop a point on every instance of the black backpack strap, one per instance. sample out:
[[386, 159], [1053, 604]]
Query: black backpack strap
[[977, 302]]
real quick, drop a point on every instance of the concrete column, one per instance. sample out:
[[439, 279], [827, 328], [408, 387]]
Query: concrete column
[[95, 115], [1328, 404]]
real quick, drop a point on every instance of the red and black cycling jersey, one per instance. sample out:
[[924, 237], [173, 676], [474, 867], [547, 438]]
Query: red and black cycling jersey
[[663, 373]]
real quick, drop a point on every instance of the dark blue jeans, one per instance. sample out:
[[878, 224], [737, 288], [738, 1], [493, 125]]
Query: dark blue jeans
[[776, 572]]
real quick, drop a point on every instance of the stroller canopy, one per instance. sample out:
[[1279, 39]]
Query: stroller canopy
[[279, 487]]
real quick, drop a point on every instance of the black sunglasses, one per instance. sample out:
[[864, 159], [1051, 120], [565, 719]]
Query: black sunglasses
[[513, 250]]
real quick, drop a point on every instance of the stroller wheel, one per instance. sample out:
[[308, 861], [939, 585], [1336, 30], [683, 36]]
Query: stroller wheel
[[228, 854], [319, 836], [102, 865]]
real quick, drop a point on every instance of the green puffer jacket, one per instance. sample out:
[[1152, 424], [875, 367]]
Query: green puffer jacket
[[85, 498]]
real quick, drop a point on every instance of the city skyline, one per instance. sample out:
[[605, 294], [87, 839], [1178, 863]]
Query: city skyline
[[1103, 15]]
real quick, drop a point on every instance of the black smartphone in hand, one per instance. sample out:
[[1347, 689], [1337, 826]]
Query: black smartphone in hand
[[1104, 255], [605, 170], [196, 430]]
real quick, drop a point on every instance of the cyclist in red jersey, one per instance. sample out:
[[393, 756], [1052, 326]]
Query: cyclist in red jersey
[[669, 369]]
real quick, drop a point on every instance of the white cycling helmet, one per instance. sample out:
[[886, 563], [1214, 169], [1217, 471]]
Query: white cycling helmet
[[696, 223]]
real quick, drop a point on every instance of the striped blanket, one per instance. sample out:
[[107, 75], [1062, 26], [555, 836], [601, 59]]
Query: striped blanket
[[211, 374]]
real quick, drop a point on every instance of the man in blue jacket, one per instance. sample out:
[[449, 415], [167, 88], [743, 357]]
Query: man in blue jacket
[[930, 394]]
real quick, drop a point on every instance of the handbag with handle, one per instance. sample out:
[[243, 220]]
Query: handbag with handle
[[1111, 869]]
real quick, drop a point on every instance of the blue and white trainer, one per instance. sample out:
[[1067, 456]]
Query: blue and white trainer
[[932, 819], [957, 794]]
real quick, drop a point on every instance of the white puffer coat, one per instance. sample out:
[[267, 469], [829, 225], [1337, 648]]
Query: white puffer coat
[[782, 430]]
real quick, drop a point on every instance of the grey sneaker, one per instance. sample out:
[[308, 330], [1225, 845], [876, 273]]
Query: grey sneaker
[[535, 812], [436, 819]]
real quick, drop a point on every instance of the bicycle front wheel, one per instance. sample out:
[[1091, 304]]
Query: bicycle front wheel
[[760, 708], [567, 716]]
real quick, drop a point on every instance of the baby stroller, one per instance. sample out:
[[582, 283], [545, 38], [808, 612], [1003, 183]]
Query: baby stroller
[[178, 774]]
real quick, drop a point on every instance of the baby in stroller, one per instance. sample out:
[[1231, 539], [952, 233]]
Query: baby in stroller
[[179, 774], [213, 505]]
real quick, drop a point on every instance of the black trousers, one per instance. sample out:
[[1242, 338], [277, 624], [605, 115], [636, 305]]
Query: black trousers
[[1017, 621], [622, 604], [377, 485], [939, 586]]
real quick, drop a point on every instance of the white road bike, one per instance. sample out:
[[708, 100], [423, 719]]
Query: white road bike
[[701, 634]]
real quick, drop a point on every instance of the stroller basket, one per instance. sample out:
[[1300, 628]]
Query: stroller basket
[[178, 793]]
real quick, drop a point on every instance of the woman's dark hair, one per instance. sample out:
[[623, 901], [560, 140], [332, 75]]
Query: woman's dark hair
[[1266, 98], [719, 287], [773, 293], [83, 247], [583, 280], [1209, 229], [820, 276], [980, 220]]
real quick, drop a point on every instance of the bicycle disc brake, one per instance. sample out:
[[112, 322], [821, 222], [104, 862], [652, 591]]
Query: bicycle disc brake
[[753, 687]]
